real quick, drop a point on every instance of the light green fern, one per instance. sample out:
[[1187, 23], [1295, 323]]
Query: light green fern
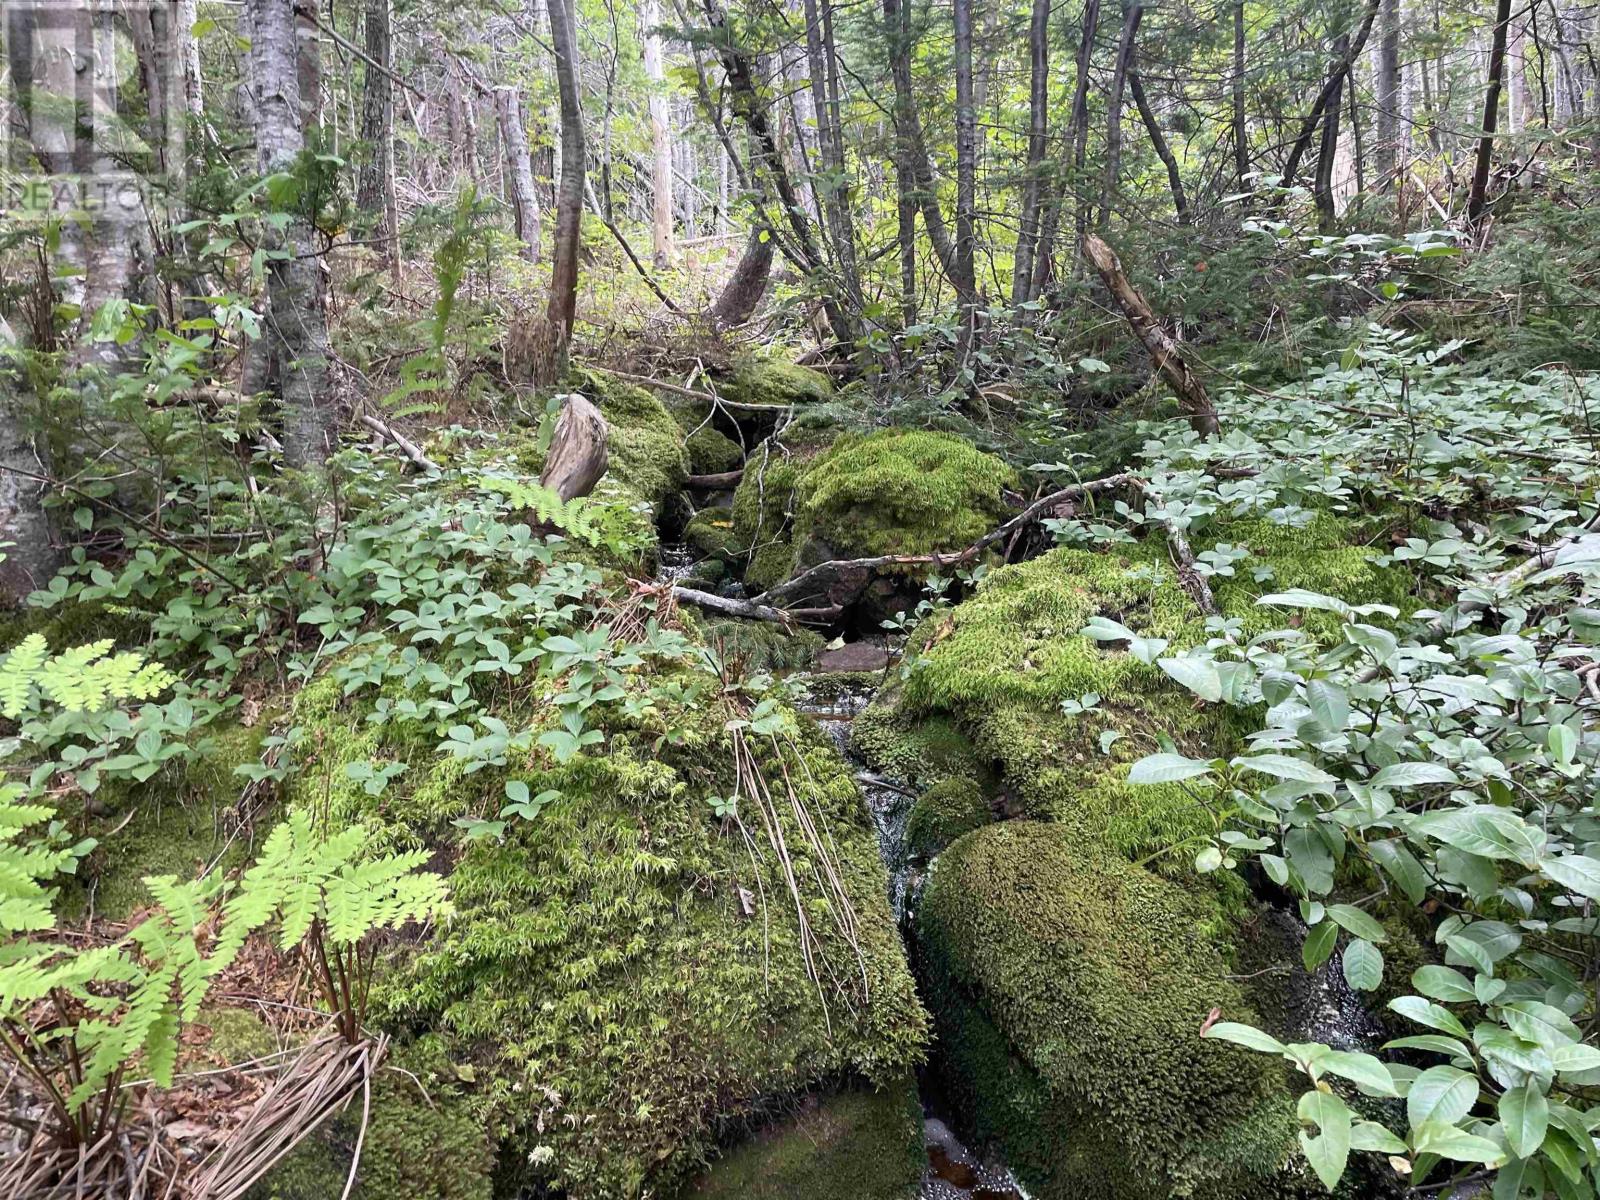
[[82, 679]]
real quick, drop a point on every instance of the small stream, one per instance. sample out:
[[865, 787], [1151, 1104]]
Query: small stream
[[954, 1171]]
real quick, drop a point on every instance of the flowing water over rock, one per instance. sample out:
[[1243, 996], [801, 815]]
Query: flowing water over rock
[[954, 1171]]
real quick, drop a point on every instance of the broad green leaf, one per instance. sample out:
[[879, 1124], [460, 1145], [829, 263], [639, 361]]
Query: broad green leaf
[[1447, 1141], [1284, 766], [1329, 704], [1413, 774], [1578, 1057], [1167, 768], [1318, 945], [1525, 1117], [1329, 1151], [1443, 983], [1363, 965], [1372, 1137], [1425, 1012], [1441, 1094], [1244, 1035], [1357, 922], [1437, 1042], [1361, 1069], [1199, 675], [1402, 867], [1576, 872]]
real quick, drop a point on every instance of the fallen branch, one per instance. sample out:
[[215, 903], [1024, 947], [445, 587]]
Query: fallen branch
[[679, 390], [1192, 398], [710, 483], [834, 566], [754, 611], [407, 447], [1188, 575]]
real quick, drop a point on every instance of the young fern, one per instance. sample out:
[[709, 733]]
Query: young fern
[[84, 678]]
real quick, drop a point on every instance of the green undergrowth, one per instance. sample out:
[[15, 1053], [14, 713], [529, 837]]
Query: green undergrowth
[[858, 1143], [622, 974], [943, 813]]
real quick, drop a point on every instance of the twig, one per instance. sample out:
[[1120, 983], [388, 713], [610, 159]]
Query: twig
[[407, 447]]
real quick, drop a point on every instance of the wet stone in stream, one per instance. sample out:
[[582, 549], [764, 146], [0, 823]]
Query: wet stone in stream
[[955, 1172]]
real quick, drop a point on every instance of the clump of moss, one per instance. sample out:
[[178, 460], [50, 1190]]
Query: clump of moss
[[1092, 977], [943, 813], [645, 443], [889, 492], [712, 452], [755, 380], [603, 970], [903, 492], [176, 826], [710, 533], [866, 1145], [422, 1141], [918, 750]]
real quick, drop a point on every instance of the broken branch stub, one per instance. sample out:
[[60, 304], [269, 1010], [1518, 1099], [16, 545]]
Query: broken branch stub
[[577, 457]]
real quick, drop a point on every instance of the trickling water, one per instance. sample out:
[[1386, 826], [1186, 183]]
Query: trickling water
[[1322, 1007], [954, 1172], [673, 562]]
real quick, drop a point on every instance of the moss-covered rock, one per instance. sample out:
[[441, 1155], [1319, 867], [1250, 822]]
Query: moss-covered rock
[[1071, 985], [888, 492], [752, 379], [625, 975], [943, 813], [861, 1144], [422, 1142], [1069, 959], [645, 443], [712, 452], [916, 749]]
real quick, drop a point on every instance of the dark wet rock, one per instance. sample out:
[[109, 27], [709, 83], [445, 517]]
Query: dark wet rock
[[854, 656]]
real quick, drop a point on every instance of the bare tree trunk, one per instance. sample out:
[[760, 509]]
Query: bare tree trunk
[[1386, 146], [1346, 52], [563, 308], [375, 189], [193, 83], [1163, 151], [31, 559], [966, 140], [297, 319], [524, 197], [1241, 127], [1478, 196], [1080, 110], [1119, 79], [833, 192], [748, 283], [1322, 187], [1038, 142], [660, 139]]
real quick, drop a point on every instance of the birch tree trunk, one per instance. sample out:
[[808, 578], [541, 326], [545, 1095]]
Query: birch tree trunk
[[297, 327], [519, 159], [660, 138]]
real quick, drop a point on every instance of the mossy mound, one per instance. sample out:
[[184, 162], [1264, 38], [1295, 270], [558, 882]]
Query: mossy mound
[[865, 1145], [1069, 959], [918, 750], [645, 443], [422, 1142], [1070, 986], [889, 492], [623, 977], [943, 813], [751, 379], [712, 452]]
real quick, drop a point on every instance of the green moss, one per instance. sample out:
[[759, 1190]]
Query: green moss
[[761, 646], [902, 492], [422, 1141], [238, 1035], [710, 533], [177, 826], [602, 970], [1096, 975], [865, 1145], [943, 813], [712, 452], [645, 443], [918, 750], [755, 380], [889, 492]]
